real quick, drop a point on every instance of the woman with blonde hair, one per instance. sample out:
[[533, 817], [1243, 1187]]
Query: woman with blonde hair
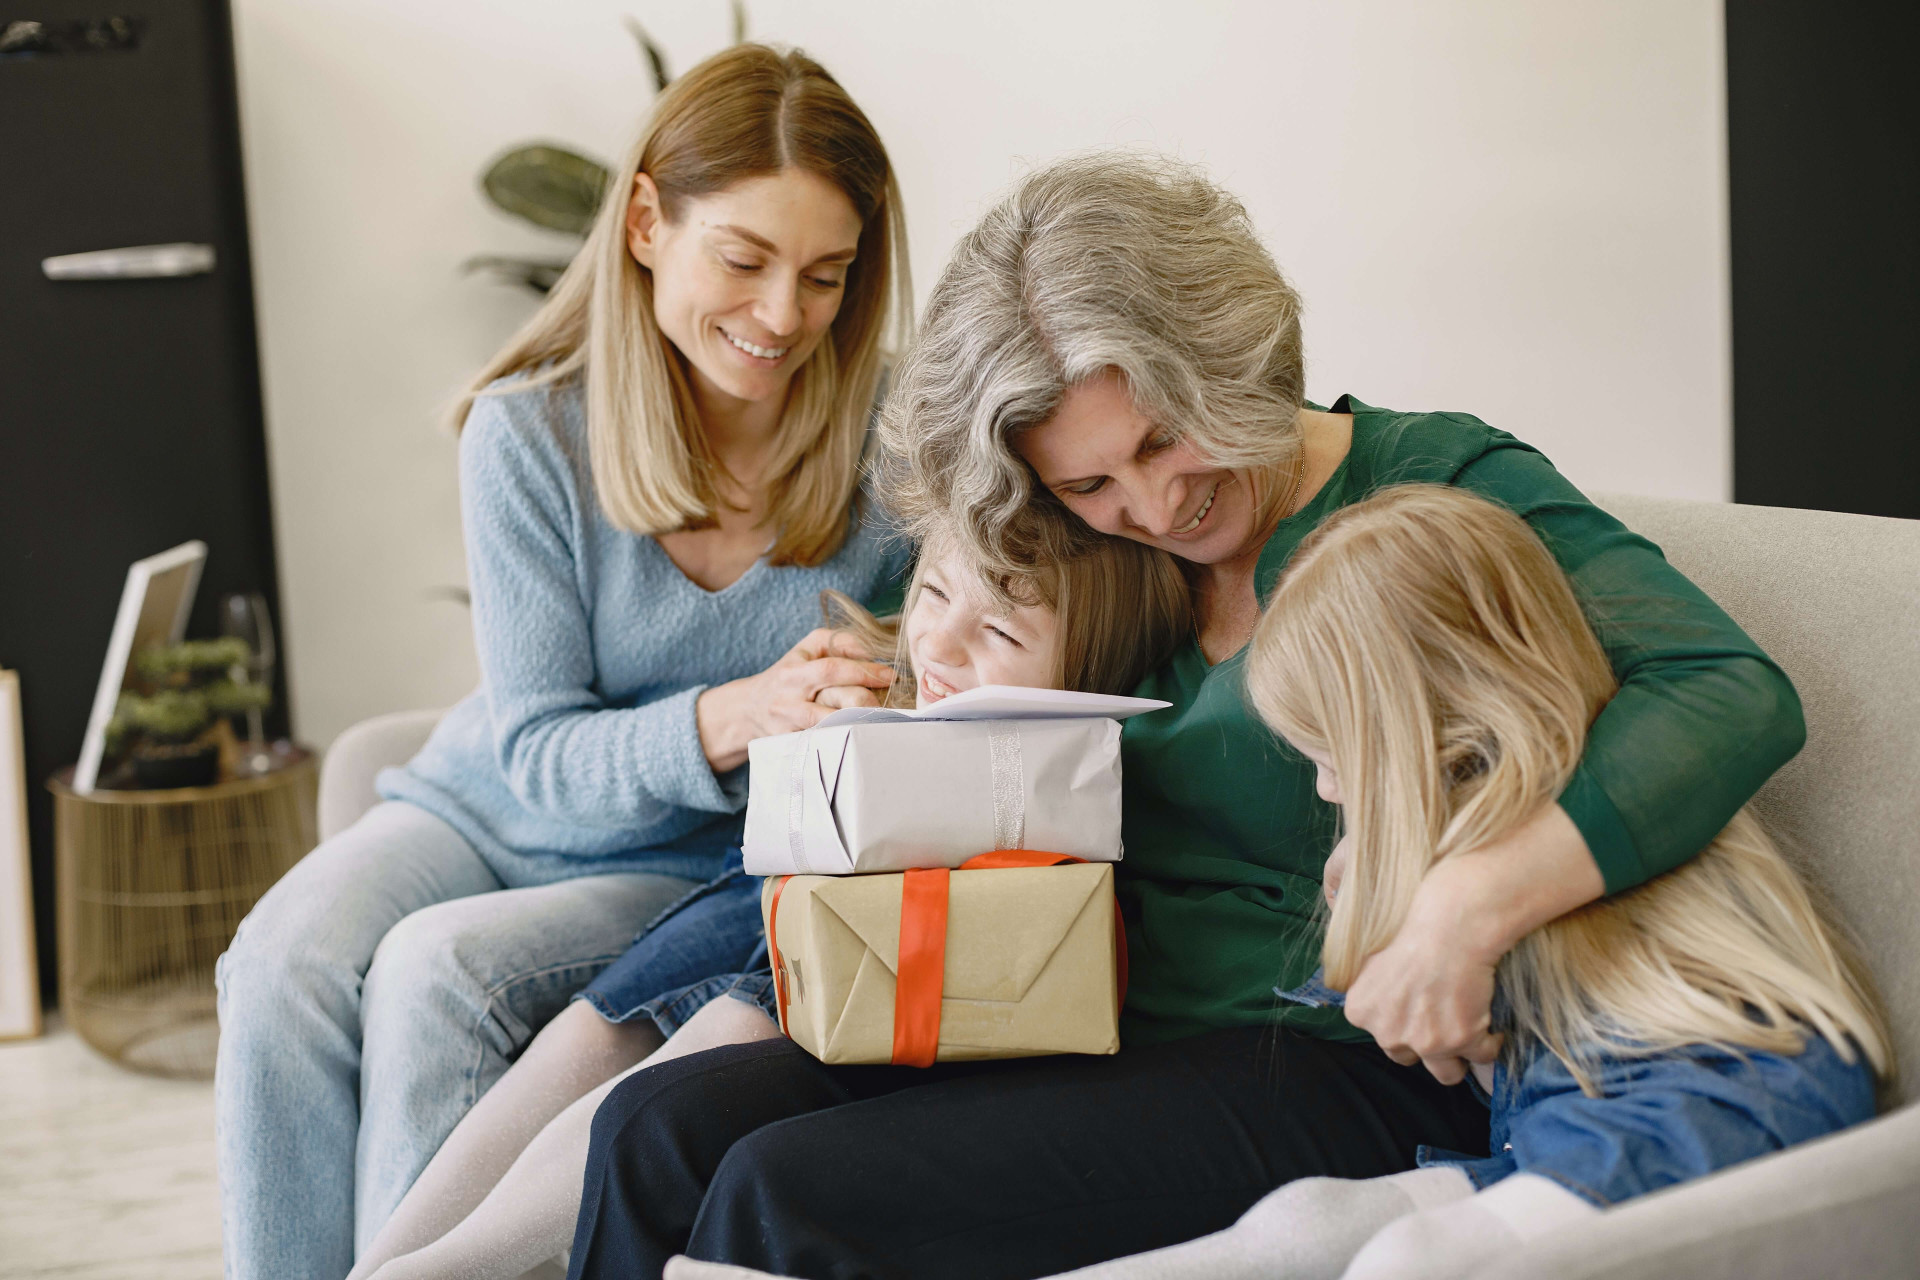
[[1112, 352], [660, 473]]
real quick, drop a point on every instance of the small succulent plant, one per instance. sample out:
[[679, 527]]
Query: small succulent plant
[[180, 689], [178, 663], [555, 187], [171, 715]]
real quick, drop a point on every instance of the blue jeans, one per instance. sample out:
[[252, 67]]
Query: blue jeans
[[366, 1003], [1661, 1119]]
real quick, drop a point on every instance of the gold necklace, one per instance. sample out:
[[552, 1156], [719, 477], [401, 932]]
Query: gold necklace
[[1293, 491]]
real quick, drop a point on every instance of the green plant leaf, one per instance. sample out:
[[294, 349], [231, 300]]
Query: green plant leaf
[[164, 662], [225, 698], [213, 655], [549, 186], [655, 59], [537, 274], [174, 714]]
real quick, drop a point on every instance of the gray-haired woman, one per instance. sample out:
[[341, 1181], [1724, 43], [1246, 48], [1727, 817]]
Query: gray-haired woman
[[1112, 353]]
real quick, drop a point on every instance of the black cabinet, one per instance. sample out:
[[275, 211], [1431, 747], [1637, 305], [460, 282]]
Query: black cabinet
[[1823, 131], [130, 415]]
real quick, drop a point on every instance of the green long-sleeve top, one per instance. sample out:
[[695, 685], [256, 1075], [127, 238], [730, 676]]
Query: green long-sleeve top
[[1226, 840]]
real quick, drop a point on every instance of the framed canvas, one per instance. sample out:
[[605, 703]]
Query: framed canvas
[[19, 971], [153, 610]]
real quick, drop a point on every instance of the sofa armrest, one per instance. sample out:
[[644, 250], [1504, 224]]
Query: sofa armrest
[[346, 777], [1846, 1205]]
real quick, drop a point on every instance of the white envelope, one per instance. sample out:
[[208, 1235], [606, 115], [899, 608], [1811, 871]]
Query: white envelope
[[869, 791], [1005, 702]]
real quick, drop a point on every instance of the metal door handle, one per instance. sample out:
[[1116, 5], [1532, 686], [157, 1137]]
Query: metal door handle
[[141, 262]]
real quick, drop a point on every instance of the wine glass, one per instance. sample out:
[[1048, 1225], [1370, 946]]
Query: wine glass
[[244, 616]]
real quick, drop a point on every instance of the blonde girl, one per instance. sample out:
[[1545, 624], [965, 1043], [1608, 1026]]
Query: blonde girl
[[1425, 651], [1095, 622], [659, 475]]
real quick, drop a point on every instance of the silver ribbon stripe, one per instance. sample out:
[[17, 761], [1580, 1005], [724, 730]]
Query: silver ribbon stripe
[[1009, 788]]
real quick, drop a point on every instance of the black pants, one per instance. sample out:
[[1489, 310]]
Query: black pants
[[759, 1154]]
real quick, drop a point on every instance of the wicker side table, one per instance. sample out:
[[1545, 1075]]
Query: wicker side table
[[151, 886]]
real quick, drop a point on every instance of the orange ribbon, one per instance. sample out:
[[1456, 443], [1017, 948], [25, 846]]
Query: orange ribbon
[[920, 975], [773, 951]]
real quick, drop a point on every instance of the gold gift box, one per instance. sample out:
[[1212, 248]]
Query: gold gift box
[[1029, 969]]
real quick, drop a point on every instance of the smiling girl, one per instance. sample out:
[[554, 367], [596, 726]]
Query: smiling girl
[[1094, 623], [659, 475]]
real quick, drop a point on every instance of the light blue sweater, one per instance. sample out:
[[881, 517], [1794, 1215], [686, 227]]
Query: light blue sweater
[[578, 754]]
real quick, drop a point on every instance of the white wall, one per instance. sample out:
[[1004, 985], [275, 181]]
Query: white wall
[[1499, 206]]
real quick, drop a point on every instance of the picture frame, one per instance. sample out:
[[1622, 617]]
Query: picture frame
[[153, 610], [19, 964]]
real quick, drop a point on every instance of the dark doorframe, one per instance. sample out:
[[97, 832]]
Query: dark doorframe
[[1824, 155]]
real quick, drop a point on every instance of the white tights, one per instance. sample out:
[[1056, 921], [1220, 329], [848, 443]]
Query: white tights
[[499, 1199], [1425, 1223]]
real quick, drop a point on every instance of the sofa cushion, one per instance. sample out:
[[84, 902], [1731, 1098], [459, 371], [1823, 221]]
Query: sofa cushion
[[1836, 600]]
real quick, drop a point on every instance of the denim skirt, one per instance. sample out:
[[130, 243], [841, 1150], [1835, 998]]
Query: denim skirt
[[708, 944], [1661, 1119]]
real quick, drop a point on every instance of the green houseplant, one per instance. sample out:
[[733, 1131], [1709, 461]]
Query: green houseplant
[[166, 726], [557, 188]]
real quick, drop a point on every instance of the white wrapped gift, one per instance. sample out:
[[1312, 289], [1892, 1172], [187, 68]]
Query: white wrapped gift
[[997, 767]]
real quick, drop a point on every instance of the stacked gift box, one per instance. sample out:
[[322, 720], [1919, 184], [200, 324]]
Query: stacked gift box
[[940, 883]]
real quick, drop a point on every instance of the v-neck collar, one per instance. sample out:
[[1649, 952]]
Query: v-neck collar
[[1290, 532], [760, 562]]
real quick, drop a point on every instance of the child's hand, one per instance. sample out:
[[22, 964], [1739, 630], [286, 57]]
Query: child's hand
[[845, 644], [782, 698], [1336, 869], [839, 697]]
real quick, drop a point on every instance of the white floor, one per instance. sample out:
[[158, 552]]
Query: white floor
[[104, 1174]]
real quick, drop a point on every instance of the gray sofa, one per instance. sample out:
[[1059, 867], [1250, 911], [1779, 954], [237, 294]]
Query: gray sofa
[[1836, 599]]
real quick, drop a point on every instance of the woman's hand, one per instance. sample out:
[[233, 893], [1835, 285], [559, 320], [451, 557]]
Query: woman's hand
[[1426, 998], [1428, 995], [782, 698]]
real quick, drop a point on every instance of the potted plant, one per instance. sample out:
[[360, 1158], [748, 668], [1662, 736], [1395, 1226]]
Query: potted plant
[[168, 726], [557, 188]]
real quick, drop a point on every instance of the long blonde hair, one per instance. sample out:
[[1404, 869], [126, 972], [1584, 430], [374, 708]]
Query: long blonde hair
[[744, 113], [1427, 644], [1121, 607], [1108, 261]]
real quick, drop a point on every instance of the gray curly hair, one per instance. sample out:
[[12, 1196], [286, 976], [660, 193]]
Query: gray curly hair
[[1104, 261]]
